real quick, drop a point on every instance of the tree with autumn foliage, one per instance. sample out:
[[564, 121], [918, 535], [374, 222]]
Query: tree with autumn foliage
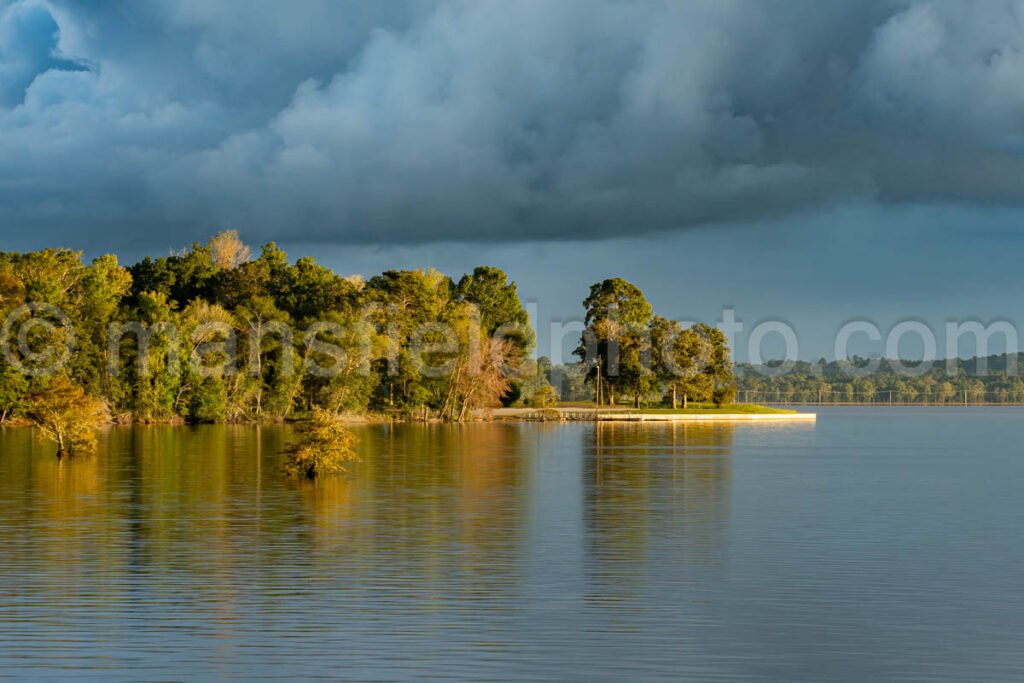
[[65, 414], [326, 446]]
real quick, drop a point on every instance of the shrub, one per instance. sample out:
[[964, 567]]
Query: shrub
[[326, 447], [724, 395], [546, 397]]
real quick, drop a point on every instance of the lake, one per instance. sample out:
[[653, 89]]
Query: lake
[[877, 544]]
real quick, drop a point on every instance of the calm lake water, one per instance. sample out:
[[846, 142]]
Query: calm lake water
[[875, 545]]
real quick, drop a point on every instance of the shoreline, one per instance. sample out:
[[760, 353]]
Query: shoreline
[[570, 414], [630, 415]]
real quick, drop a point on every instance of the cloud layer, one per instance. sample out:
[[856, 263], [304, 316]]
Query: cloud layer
[[413, 121]]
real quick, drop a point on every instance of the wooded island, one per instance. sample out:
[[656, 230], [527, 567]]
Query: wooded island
[[213, 334]]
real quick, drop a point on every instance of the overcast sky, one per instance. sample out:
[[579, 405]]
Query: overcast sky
[[812, 161]]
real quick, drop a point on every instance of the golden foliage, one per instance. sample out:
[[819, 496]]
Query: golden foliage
[[478, 375], [546, 397], [326, 447], [228, 250], [484, 381], [67, 415]]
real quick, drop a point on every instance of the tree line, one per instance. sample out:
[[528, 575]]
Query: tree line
[[978, 380], [214, 334]]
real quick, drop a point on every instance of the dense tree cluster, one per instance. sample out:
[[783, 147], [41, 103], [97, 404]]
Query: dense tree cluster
[[996, 380], [627, 349], [216, 334]]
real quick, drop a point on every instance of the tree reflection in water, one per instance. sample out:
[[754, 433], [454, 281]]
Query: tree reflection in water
[[656, 501]]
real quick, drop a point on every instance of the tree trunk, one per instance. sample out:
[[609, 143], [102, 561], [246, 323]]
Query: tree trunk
[[675, 400], [259, 377], [685, 399], [636, 401], [465, 405], [611, 394], [3, 418], [453, 383]]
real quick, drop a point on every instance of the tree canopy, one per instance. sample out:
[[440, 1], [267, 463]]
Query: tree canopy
[[218, 332], [628, 349]]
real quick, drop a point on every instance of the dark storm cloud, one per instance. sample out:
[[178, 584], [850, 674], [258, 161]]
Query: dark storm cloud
[[28, 36], [418, 121]]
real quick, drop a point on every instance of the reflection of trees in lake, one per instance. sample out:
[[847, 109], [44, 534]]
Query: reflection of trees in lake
[[655, 498], [41, 497], [197, 525], [442, 502], [56, 518], [431, 512]]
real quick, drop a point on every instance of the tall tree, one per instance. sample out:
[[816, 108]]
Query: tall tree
[[103, 287], [614, 342], [501, 310], [681, 358], [156, 369], [207, 355], [265, 330], [406, 303]]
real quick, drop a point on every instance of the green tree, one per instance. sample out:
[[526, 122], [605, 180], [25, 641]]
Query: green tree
[[156, 368], [308, 291], [182, 277], [208, 401], [342, 350], [207, 362], [406, 303], [720, 366], [615, 341], [12, 289], [682, 359], [501, 311], [266, 331], [50, 276], [13, 392], [102, 288]]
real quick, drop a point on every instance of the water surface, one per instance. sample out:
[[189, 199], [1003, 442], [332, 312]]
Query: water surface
[[878, 544]]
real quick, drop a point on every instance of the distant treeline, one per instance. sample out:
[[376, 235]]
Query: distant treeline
[[992, 379]]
